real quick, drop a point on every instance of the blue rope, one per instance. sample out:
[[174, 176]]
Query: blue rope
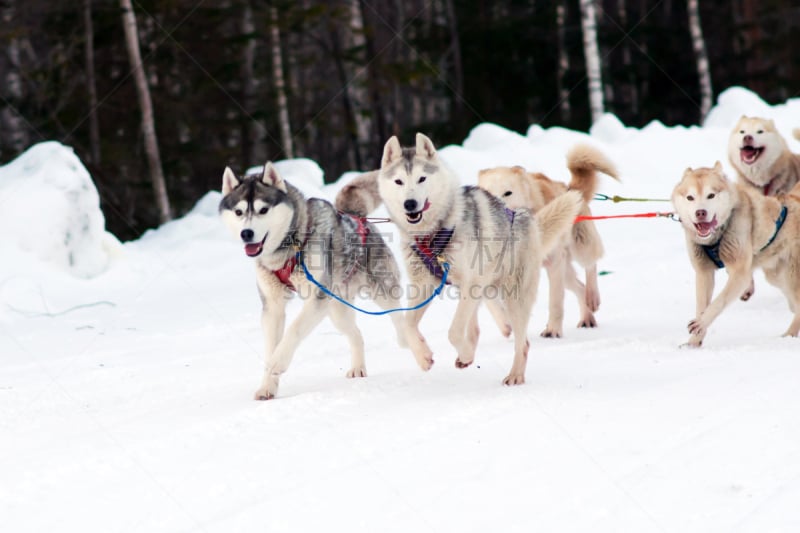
[[436, 291]]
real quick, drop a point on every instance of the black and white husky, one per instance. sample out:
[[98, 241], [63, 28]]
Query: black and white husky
[[279, 228], [494, 254]]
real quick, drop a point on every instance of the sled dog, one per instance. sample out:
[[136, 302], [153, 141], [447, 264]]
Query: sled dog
[[517, 188], [735, 227], [762, 158], [279, 228], [494, 253]]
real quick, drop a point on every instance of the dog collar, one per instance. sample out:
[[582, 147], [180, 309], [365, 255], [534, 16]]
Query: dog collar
[[429, 248], [284, 273], [778, 225]]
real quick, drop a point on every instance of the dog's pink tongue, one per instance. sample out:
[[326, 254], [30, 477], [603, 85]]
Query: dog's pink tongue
[[253, 249], [749, 154], [704, 228]]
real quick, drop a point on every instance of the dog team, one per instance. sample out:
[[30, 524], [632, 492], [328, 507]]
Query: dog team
[[491, 241]]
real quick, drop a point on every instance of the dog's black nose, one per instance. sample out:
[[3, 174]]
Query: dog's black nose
[[410, 206], [748, 138], [247, 235], [701, 214]]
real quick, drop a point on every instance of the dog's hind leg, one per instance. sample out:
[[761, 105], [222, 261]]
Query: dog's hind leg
[[344, 320], [519, 310], [420, 291], [460, 335], [577, 287], [592, 294], [499, 315], [278, 361], [555, 276]]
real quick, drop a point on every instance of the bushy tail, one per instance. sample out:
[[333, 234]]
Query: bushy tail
[[360, 197], [556, 218], [583, 162]]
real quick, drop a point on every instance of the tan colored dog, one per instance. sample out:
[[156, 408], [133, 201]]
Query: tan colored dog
[[734, 226], [518, 188], [762, 158]]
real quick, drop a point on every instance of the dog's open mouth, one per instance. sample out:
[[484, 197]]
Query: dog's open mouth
[[704, 229], [253, 249], [750, 154], [416, 217]]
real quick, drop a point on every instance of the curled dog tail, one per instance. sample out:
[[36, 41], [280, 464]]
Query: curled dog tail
[[360, 197], [556, 218], [583, 162]]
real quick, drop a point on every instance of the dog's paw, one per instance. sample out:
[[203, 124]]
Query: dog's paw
[[593, 300], [505, 331], [463, 364], [514, 379], [749, 292], [691, 344], [588, 321], [551, 333], [263, 394], [359, 372], [425, 362], [697, 328]]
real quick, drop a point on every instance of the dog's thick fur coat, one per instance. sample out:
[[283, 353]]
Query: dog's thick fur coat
[[494, 254], [518, 188], [735, 225]]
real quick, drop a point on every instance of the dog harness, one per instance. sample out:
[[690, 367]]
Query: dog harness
[[285, 272], [429, 248], [712, 250], [362, 231]]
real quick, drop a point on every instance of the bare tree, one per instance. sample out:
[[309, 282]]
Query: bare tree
[[146, 105], [563, 62], [699, 45], [254, 150], [280, 85], [91, 86], [590, 50]]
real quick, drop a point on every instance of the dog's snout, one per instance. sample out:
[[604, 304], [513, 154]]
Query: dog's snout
[[748, 139], [701, 214], [247, 235], [410, 206]]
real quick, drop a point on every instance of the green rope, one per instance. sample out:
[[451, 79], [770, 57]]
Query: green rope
[[617, 199]]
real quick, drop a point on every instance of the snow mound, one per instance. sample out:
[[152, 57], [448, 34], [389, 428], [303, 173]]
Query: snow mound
[[51, 210], [733, 103]]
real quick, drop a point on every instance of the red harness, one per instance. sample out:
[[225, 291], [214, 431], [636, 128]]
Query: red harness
[[285, 272]]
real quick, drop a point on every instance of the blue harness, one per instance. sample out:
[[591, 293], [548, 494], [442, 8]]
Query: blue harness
[[712, 250]]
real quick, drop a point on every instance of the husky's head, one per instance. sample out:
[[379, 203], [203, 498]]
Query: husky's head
[[256, 209], [704, 199], [513, 185], [416, 189], [753, 147]]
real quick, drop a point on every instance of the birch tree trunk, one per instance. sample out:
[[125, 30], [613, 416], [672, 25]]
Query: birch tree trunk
[[91, 85], [146, 105], [254, 150], [699, 45], [590, 50], [563, 62], [280, 85]]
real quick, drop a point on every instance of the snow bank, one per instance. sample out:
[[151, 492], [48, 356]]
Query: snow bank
[[50, 209]]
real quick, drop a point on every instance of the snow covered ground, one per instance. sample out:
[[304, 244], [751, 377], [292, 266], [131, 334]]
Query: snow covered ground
[[126, 375]]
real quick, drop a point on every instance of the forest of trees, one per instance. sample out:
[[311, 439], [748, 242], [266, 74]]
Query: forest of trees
[[157, 96]]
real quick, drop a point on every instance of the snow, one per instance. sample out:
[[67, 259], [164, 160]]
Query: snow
[[126, 379]]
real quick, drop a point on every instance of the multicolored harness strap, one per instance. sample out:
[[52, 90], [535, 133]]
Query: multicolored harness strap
[[429, 249]]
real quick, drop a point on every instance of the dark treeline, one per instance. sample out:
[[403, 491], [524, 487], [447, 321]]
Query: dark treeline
[[237, 82]]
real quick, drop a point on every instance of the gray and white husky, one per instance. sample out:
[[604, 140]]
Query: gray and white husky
[[278, 228], [494, 254]]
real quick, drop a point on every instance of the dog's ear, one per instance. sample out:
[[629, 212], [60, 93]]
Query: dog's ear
[[425, 146], [718, 167], [272, 178], [229, 181], [392, 151]]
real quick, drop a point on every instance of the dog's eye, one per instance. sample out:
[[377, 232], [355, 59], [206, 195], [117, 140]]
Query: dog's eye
[[760, 132], [710, 196], [507, 193], [422, 178], [399, 182], [238, 212], [690, 198], [741, 131], [263, 210]]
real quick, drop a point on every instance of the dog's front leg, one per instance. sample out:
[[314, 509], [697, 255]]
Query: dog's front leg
[[738, 278], [464, 341], [279, 359], [419, 290], [555, 275]]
